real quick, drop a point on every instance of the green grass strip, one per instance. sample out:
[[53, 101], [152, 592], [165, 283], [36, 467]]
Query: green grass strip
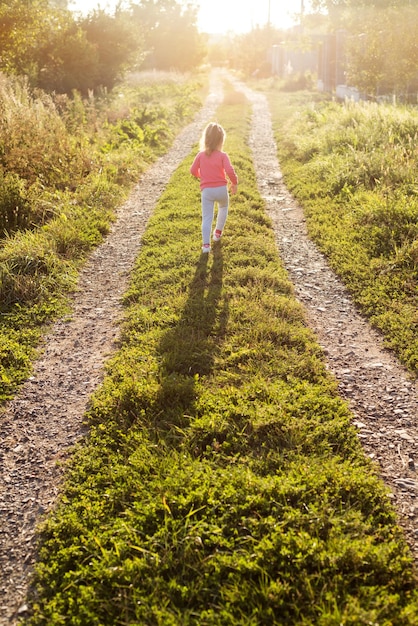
[[353, 168], [39, 267], [221, 482]]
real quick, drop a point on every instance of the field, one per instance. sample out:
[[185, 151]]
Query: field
[[353, 167], [65, 167], [221, 481]]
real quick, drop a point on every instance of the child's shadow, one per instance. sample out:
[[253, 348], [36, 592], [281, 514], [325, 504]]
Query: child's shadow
[[189, 349]]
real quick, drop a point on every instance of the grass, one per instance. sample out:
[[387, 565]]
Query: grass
[[353, 169], [221, 482], [53, 219]]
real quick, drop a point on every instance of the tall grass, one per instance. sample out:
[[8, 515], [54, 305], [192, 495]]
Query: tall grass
[[221, 482], [65, 166], [36, 154], [353, 167], [50, 144]]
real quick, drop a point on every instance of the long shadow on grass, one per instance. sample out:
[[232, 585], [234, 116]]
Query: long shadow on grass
[[188, 351]]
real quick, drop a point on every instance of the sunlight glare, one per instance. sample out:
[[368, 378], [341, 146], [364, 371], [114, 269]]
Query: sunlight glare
[[220, 17]]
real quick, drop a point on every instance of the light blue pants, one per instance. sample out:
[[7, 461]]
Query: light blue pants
[[210, 195]]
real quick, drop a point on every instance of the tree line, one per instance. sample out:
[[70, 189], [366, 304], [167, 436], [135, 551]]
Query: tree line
[[62, 52], [382, 45]]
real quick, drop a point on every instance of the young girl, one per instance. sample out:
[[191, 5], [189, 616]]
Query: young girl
[[212, 167]]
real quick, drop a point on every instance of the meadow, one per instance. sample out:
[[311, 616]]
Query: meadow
[[65, 166], [353, 168], [221, 481]]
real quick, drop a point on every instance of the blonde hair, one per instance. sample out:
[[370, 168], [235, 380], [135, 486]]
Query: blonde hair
[[213, 138]]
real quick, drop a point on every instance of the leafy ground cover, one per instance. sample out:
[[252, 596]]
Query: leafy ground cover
[[55, 209], [353, 168], [221, 482]]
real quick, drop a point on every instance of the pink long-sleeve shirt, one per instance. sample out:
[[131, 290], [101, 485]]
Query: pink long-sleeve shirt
[[213, 170]]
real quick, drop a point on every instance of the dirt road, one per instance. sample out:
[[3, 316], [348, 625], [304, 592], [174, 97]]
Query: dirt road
[[39, 427]]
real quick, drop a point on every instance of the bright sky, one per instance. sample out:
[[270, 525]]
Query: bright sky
[[222, 16]]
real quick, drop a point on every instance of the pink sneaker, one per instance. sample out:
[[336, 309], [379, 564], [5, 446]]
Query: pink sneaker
[[217, 234], [206, 248]]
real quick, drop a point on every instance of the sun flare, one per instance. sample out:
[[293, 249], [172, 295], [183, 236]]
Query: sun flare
[[217, 16]]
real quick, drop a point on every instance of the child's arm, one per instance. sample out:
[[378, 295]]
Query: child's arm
[[195, 168], [231, 174]]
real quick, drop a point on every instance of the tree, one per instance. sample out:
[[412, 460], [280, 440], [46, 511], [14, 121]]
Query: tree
[[171, 35], [58, 53], [251, 50], [117, 44], [66, 61], [382, 52], [348, 13], [383, 58], [21, 26]]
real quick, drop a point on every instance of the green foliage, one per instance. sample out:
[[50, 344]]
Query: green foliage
[[36, 151], [51, 146], [382, 56], [56, 204], [117, 46], [21, 26], [65, 60], [15, 210], [249, 51], [146, 126], [353, 168], [171, 36], [29, 269], [136, 125], [221, 482], [58, 53], [16, 352]]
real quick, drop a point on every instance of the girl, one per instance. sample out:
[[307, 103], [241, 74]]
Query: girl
[[212, 167]]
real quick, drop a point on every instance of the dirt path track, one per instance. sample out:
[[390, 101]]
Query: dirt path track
[[381, 394], [45, 419]]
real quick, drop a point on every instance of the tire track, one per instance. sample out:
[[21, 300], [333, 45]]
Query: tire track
[[45, 419], [38, 428], [381, 393]]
